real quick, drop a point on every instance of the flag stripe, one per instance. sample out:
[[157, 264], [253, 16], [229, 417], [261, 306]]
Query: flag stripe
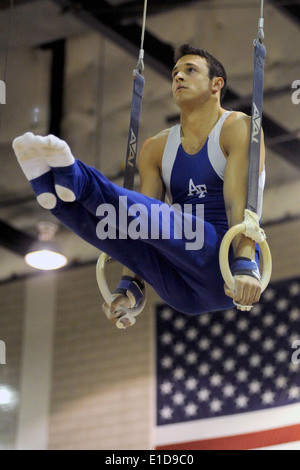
[[241, 442], [244, 423], [286, 446], [230, 379]]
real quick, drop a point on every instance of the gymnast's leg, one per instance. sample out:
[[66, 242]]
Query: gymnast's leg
[[154, 269], [56, 176]]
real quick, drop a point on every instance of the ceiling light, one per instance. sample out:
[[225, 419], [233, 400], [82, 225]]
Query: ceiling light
[[45, 253], [8, 397]]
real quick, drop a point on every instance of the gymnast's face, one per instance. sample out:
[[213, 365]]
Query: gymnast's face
[[190, 80]]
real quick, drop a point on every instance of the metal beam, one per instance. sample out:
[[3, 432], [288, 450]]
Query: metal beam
[[290, 7], [5, 4], [128, 36], [131, 9], [15, 240]]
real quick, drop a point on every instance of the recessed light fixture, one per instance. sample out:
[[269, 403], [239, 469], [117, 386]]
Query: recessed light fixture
[[45, 254]]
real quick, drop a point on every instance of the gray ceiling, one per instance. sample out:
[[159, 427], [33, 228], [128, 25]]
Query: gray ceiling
[[68, 67]]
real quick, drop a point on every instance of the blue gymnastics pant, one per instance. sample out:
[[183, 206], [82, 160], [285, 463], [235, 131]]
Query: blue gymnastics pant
[[188, 280]]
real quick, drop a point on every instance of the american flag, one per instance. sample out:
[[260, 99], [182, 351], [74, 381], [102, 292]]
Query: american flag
[[230, 380]]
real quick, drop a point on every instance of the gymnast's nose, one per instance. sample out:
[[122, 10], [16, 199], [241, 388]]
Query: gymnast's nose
[[179, 76]]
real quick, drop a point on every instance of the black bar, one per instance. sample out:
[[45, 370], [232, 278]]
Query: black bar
[[15, 240], [57, 85]]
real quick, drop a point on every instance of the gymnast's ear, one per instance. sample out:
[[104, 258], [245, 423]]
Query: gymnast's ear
[[217, 84]]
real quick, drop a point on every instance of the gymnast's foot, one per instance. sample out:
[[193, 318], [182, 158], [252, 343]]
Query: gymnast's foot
[[58, 156], [36, 169], [47, 163]]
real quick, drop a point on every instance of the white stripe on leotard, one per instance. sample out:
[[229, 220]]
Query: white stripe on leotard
[[169, 158], [216, 156]]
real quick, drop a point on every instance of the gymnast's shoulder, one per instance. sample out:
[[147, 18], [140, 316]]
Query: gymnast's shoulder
[[237, 122], [236, 129], [156, 143]]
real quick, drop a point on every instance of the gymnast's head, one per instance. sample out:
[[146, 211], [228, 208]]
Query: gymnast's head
[[215, 68]]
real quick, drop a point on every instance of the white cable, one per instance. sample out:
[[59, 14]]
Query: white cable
[[140, 64]]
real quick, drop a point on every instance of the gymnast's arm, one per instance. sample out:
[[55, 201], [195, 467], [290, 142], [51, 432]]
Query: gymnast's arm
[[235, 140], [151, 184], [149, 166]]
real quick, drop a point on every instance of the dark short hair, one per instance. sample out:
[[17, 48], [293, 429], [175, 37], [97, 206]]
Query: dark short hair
[[215, 67]]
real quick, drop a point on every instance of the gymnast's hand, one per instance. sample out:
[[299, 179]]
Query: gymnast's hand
[[115, 311], [247, 291]]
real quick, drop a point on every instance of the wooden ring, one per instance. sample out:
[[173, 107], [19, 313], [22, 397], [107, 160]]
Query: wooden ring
[[224, 263], [105, 291]]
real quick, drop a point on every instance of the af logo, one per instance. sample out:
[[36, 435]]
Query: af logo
[[199, 189]]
